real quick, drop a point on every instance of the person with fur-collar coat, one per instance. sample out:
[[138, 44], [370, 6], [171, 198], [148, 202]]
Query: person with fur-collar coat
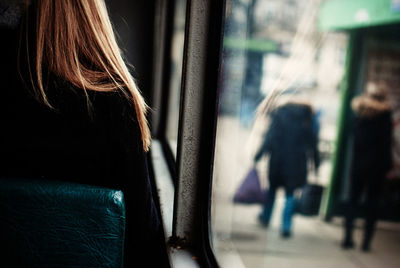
[[371, 159]]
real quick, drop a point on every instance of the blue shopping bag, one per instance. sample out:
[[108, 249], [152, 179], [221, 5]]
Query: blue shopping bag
[[250, 192]]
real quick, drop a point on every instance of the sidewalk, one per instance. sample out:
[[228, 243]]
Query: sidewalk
[[314, 243]]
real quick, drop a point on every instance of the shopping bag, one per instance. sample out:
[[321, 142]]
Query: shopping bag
[[250, 191], [309, 200]]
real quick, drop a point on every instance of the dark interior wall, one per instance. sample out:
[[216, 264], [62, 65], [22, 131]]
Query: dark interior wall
[[133, 22]]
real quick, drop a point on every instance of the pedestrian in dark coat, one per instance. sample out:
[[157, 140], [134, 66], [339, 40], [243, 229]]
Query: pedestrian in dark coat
[[371, 159], [290, 141]]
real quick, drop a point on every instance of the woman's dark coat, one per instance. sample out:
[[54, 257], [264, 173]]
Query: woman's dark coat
[[290, 141], [100, 145], [372, 138]]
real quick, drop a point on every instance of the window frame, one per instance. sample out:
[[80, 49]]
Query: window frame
[[197, 120]]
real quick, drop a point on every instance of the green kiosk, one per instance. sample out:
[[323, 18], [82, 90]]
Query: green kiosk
[[373, 55]]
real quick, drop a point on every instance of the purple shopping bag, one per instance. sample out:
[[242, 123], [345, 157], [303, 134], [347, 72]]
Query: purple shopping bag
[[250, 192]]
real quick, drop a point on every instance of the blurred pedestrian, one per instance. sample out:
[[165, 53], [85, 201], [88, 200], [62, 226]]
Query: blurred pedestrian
[[290, 142], [371, 159]]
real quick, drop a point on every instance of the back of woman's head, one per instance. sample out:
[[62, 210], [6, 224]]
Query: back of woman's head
[[372, 102], [74, 40], [377, 91]]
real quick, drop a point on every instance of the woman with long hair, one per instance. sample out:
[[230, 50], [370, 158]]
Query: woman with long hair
[[71, 111]]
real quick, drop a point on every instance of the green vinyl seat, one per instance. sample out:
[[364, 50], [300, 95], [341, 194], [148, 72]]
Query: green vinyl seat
[[56, 224]]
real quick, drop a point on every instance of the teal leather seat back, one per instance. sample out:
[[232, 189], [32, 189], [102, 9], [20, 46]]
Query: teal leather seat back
[[53, 224]]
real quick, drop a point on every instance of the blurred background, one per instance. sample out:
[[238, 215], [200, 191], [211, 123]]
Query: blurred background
[[323, 53]]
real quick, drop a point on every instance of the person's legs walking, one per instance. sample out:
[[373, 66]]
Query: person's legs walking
[[265, 215], [370, 222], [371, 203], [287, 214], [351, 210]]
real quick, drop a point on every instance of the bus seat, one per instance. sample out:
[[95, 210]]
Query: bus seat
[[55, 224]]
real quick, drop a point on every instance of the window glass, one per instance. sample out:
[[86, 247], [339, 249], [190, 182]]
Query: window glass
[[176, 53], [309, 99]]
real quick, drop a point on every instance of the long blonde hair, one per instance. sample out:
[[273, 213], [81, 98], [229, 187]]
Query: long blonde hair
[[75, 40]]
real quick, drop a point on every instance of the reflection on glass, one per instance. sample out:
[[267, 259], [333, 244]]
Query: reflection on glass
[[177, 43], [307, 165]]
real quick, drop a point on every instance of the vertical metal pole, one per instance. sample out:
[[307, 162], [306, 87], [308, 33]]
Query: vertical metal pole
[[189, 140]]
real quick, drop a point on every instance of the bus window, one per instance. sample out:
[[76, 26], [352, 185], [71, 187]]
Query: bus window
[[302, 174]]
